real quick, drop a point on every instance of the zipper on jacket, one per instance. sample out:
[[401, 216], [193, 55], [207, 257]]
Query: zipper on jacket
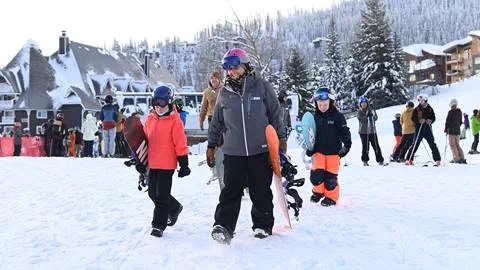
[[243, 117]]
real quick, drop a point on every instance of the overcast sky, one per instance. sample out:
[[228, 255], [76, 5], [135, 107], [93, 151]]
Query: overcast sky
[[97, 22]]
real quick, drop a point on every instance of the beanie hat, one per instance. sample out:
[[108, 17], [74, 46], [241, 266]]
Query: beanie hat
[[410, 104]]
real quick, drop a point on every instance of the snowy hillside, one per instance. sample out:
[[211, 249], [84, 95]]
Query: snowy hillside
[[65, 213]]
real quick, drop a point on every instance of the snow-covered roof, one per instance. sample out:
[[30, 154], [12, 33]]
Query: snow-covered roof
[[418, 49], [474, 33], [41, 79], [461, 42], [425, 64], [5, 88]]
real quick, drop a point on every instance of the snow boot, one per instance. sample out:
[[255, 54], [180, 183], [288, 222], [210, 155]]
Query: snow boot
[[172, 219], [328, 202], [221, 235], [261, 233], [316, 197], [157, 232], [365, 163], [409, 162], [473, 152]]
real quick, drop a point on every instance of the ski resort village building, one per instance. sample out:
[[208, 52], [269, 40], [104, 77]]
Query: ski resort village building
[[452, 62], [74, 80]]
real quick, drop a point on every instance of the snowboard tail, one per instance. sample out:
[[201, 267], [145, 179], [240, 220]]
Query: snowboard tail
[[273, 150]]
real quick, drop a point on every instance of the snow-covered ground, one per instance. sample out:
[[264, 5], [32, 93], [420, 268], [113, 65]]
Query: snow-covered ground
[[65, 213]]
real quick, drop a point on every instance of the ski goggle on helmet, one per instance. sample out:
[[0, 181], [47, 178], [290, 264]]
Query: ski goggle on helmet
[[322, 93], [234, 58], [162, 96], [363, 99], [422, 97]]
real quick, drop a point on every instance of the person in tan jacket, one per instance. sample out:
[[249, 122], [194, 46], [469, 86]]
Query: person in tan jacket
[[210, 98], [408, 133]]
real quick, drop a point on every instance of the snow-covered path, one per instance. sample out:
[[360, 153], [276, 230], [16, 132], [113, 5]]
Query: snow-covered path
[[65, 213]]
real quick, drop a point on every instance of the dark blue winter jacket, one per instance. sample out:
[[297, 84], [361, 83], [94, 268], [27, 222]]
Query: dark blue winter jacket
[[397, 128], [332, 131]]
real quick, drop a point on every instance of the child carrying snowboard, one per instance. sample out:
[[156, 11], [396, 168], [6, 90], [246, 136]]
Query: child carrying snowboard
[[331, 132], [167, 145]]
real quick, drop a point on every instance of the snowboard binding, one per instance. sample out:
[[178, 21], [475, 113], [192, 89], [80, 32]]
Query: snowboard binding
[[289, 171], [142, 178]]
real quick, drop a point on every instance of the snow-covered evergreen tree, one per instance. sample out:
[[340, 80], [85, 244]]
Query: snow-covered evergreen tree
[[375, 50], [296, 70], [399, 71], [334, 75]]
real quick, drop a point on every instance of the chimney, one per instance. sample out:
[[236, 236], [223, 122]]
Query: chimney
[[63, 43], [146, 64]]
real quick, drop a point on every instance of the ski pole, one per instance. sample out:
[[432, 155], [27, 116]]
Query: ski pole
[[428, 153], [415, 142], [445, 149]]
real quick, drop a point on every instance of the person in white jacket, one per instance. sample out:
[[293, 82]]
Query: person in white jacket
[[89, 128]]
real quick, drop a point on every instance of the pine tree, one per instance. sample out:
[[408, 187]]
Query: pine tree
[[298, 74], [353, 73], [334, 76], [375, 48], [399, 71]]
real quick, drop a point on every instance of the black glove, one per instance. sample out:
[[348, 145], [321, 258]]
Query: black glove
[[184, 170], [310, 153], [343, 152], [141, 168], [369, 113]]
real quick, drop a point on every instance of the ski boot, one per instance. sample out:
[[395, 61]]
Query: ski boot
[[221, 235], [157, 232], [172, 219], [316, 197], [328, 202], [261, 233]]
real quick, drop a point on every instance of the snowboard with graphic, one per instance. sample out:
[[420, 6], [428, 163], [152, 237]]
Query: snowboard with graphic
[[136, 139], [273, 150]]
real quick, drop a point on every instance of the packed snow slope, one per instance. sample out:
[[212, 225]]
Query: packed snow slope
[[66, 213]]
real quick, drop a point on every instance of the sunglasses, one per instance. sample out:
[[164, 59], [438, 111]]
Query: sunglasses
[[159, 102], [231, 62]]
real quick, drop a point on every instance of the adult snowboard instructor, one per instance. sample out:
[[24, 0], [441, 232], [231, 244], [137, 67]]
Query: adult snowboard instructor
[[423, 116], [331, 132], [245, 106]]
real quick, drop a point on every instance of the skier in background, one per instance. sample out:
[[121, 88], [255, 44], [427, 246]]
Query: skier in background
[[397, 133], [423, 116], [408, 133], [452, 128], [475, 125], [368, 133]]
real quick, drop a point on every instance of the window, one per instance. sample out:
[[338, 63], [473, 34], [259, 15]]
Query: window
[[432, 76], [412, 63], [467, 53], [8, 114], [412, 78], [41, 114], [477, 60], [39, 130], [7, 130]]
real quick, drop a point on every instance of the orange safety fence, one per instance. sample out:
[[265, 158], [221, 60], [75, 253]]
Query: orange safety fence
[[31, 147]]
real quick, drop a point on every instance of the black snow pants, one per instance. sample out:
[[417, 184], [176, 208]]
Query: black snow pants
[[159, 188], [256, 173], [424, 131]]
